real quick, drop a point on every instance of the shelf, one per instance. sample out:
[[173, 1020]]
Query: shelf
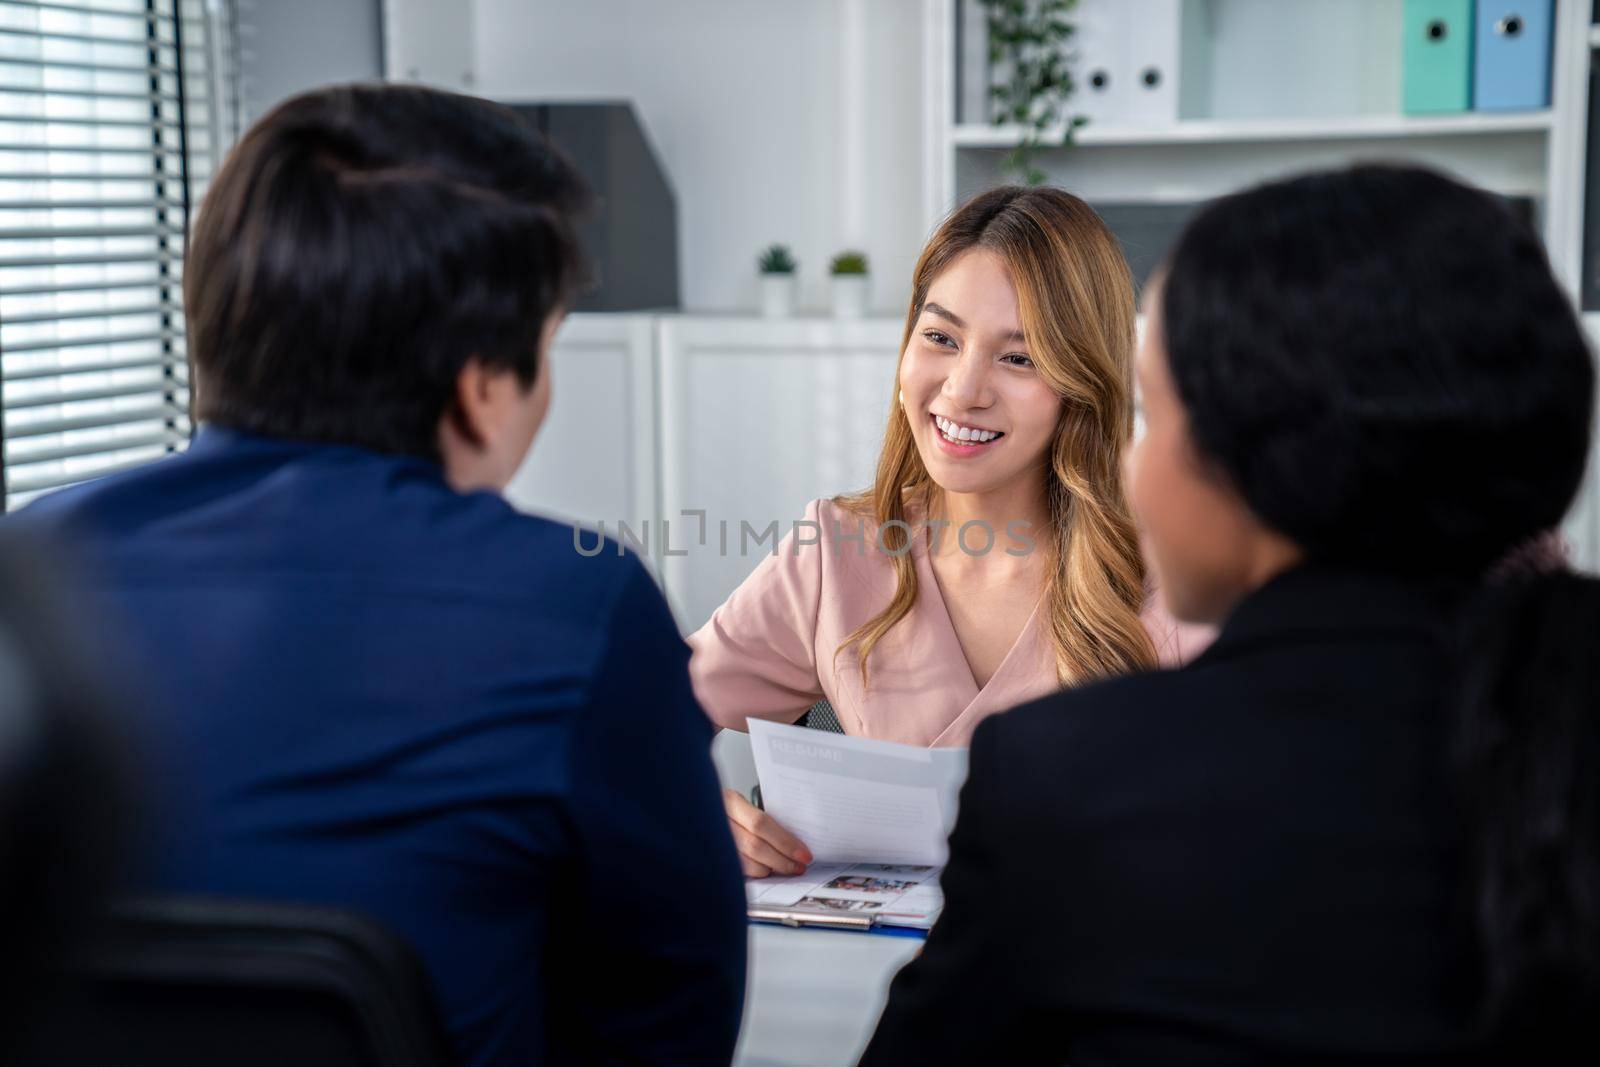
[[1225, 131]]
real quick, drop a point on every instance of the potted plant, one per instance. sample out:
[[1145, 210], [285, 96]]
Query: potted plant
[[777, 268], [1031, 88], [849, 283]]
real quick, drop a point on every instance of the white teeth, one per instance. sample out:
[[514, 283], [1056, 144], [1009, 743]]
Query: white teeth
[[952, 431]]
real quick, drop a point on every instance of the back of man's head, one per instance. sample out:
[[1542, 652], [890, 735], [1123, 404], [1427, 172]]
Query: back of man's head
[[359, 247]]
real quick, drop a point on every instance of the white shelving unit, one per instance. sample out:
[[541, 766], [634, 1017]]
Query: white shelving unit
[[1290, 85], [1537, 154], [1240, 131]]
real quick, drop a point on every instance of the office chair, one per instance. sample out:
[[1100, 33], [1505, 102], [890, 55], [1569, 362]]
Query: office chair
[[66, 796], [195, 982], [821, 716]]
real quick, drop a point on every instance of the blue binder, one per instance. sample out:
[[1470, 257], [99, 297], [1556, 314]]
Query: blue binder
[[1512, 64]]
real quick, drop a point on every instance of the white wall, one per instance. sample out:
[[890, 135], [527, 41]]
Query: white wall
[[777, 120], [1318, 58], [289, 46]]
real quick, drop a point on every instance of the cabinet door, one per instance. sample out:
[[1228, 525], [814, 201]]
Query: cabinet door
[[594, 458], [758, 418], [1437, 56]]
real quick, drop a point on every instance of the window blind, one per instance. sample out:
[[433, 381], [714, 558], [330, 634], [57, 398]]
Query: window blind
[[113, 115]]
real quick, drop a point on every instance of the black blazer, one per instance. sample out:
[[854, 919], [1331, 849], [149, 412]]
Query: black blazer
[[1253, 859]]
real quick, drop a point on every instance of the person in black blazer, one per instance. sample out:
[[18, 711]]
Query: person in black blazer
[[1364, 826]]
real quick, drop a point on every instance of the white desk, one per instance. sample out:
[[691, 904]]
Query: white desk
[[814, 996]]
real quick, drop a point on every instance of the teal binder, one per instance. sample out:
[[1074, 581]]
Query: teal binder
[[1437, 56]]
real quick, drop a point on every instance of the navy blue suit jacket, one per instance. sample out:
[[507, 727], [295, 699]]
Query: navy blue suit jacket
[[373, 691]]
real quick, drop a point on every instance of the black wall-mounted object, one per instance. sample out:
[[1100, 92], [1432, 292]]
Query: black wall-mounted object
[[1145, 231], [632, 236]]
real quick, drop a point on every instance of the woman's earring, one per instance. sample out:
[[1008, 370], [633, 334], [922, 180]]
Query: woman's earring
[[902, 398]]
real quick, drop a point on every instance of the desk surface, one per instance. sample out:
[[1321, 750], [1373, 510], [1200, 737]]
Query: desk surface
[[814, 996]]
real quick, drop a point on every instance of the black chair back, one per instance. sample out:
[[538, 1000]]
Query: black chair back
[[196, 982], [821, 716]]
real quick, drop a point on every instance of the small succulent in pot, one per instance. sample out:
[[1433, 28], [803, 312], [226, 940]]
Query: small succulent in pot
[[846, 263], [777, 266], [776, 259], [849, 285]]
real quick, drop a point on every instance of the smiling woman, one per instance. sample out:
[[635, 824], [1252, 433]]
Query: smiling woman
[[993, 560]]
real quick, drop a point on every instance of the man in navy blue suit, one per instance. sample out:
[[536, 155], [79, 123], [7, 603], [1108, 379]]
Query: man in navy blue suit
[[381, 686]]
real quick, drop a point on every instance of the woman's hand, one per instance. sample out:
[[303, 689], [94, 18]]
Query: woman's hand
[[764, 846]]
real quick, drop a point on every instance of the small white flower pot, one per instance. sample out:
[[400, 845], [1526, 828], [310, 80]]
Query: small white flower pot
[[850, 293], [777, 295]]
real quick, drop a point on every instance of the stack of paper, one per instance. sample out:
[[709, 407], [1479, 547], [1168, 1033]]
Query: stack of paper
[[876, 816]]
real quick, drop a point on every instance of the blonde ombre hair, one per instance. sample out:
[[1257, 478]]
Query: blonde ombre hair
[[1077, 304]]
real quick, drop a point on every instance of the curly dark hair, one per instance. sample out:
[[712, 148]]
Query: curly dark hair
[[1383, 364]]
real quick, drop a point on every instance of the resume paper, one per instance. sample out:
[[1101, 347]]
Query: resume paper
[[852, 800]]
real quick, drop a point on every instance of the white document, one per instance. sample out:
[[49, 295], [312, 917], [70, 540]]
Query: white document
[[852, 800]]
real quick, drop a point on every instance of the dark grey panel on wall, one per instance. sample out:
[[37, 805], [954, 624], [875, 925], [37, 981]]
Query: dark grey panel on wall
[[1146, 231], [632, 237], [289, 46]]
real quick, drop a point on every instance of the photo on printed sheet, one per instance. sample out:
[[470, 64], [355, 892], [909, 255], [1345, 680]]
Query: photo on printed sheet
[[840, 904], [861, 883]]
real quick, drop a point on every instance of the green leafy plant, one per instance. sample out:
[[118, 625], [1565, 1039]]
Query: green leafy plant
[[849, 263], [1030, 63], [776, 260]]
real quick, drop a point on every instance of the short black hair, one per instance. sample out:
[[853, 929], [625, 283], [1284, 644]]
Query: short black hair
[[1382, 362], [359, 246]]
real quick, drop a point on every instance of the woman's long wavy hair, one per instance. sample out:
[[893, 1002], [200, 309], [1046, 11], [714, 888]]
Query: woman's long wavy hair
[[1077, 304]]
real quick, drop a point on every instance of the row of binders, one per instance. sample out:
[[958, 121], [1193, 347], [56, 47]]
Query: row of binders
[[1488, 55], [1125, 59], [1129, 55], [1145, 63]]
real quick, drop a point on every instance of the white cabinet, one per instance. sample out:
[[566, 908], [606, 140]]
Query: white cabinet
[[594, 459], [655, 418], [758, 417]]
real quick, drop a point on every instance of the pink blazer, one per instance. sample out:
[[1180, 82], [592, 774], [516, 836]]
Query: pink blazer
[[769, 650]]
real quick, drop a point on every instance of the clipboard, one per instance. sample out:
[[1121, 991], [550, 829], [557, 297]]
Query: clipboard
[[812, 918]]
